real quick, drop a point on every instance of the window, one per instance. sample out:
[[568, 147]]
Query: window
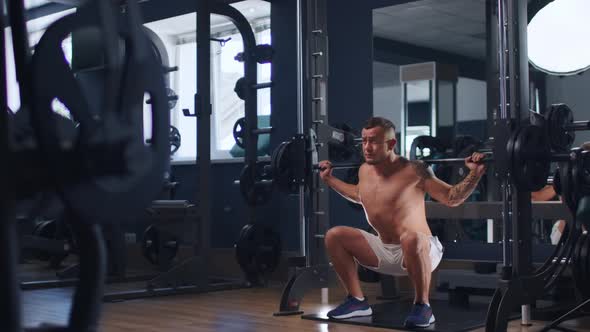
[[36, 28], [227, 107], [179, 36], [185, 86]]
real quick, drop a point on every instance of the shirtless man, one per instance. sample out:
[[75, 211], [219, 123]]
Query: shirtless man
[[391, 190]]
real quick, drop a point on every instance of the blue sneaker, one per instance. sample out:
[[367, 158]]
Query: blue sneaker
[[420, 316], [351, 308]]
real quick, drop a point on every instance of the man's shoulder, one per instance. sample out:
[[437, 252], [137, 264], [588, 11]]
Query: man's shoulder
[[415, 164], [364, 168], [421, 168]]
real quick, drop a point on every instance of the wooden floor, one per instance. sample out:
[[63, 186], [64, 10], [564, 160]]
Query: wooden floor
[[236, 310]]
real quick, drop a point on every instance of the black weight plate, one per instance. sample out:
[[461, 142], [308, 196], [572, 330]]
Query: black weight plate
[[463, 146], [240, 88], [557, 182], [426, 142], [175, 140], [274, 160], [283, 173], [172, 98], [239, 131], [45, 229], [510, 143], [49, 229], [567, 187], [258, 250], [244, 252], [169, 249], [559, 116], [460, 171], [576, 179], [528, 167], [98, 199], [576, 261], [264, 53], [583, 177], [154, 249], [585, 260], [253, 191], [269, 253], [150, 244], [247, 183], [576, 176], [464, 143], [583, 282]]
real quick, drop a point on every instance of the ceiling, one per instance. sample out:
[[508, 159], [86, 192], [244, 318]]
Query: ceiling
[[453, 26], [251, 9]]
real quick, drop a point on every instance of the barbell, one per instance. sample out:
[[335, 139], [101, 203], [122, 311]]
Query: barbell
[[530, 154], [530, 151], [443, 161], [338, 166], [448, 161], [490, 159], [453, 161], [561, 126]]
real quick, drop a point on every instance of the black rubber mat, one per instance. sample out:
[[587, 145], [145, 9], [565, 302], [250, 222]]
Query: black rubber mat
[[392, 315]]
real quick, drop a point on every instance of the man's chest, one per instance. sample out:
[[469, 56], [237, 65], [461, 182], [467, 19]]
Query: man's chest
[[388, 189]]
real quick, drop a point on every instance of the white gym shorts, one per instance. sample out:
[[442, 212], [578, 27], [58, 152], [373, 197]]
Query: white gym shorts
[[390, 256]]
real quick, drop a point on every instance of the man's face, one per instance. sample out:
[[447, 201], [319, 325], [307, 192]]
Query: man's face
[[377, 145]]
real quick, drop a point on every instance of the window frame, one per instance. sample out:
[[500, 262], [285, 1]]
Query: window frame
[[260, 26]]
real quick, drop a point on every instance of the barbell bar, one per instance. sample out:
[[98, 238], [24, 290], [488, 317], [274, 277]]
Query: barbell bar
[[455, 161], [339, 166], [550, 179], [489, 158], [577, 125]]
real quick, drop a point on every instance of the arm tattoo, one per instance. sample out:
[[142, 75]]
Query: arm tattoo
[[463, 189], [423, 171]]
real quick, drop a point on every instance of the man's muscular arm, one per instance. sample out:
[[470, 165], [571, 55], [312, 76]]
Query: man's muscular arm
[[459, 192], [346, 190], [445, 193]]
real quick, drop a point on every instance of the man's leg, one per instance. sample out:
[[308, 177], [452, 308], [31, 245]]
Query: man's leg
[[343, 245], [416, 251]]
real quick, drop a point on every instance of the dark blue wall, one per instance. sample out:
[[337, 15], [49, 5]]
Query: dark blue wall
[[284, 208], [475, 128], [229, 213], [350, 91]]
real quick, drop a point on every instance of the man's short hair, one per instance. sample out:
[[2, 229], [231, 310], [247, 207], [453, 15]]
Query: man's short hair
[[377, 121]]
